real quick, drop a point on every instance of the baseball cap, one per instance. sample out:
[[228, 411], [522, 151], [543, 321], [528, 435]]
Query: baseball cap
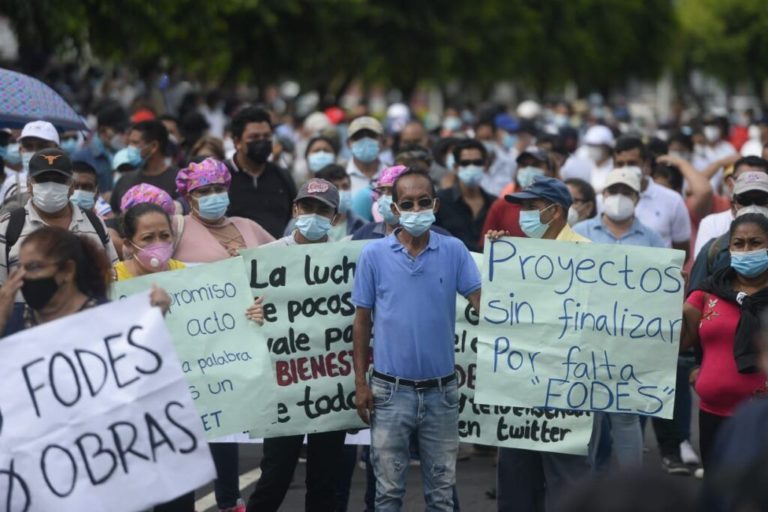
[[365, 123], [537, 154], [506, 122], [50, 160], [599, 136], [41, 130], [753, 208], [544, 187], [321, 190], [751, 181], [624, 177]]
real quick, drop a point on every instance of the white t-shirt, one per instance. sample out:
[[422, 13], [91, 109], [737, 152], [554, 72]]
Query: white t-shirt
[[577, 167], [599, 174], [713, 153], [712, 226], [500, 173], [663, 210]]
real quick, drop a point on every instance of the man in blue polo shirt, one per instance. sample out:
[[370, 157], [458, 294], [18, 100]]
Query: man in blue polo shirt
[[406, 284], [618, 223]]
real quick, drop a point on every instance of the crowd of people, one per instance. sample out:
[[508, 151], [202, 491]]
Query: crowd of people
[[136, 196]]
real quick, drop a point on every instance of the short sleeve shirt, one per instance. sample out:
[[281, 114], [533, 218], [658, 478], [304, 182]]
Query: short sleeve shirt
[[719, 385], [663, 210], [414, 303]]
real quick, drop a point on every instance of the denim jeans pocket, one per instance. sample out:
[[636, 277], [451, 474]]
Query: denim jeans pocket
[[382, 391], [451, 395]]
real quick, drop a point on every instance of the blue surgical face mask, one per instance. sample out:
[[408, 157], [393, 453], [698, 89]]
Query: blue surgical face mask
[[530, 223], [509, 140], [12, 155], [750, 263], [312, 226], [384, 205], [526, 175], [366, 149], [213, 206], [417, 223], [135, 158], [26, 156], [69, 145], [450, 161], [317, 161], [83, 199], [345, 201], [490, 147], [471, 175]]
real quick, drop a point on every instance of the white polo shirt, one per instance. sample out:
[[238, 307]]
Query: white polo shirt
[[663, 210]]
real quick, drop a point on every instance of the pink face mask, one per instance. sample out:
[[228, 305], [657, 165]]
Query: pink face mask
[[154, 256]]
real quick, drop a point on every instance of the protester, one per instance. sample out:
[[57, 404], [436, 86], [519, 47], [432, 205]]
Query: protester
[[530, 163], [464, 207], [321, 152], [316, 206], [659, 208], [599, 142], [35, 136], [260, 191], [501, 167], [208, 146], [584, 202], [346, 222], [98, 151], [526, 478], [716, 146], [148, 140], [717, 224], [60, 273], [413, 353], [50, 180], [722, 316], [365, 139], [618, 225]]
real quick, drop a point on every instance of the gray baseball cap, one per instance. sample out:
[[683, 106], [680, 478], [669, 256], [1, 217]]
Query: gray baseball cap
[[320, 189]]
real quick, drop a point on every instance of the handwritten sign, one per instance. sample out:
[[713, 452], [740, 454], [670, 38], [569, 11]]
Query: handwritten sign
[[223, 354], [580, 326], [511, 427], [308, 327], [95, 414]]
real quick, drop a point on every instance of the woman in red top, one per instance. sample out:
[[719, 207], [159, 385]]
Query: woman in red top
[[722, 317]]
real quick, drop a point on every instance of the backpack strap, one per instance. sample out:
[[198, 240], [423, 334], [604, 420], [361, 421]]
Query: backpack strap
[[13, 231], [97, 226]]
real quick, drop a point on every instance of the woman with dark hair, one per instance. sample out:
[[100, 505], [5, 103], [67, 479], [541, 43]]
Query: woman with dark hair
[[722, 317], [60, 274], [321, 151], [584, 202]]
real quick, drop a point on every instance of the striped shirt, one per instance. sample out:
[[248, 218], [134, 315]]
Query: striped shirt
[[79, 225]]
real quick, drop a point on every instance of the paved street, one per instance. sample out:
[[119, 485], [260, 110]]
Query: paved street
[[474, 477]]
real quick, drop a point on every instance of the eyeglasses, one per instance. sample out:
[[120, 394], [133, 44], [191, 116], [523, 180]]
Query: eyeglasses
[[464, 163], [423, 203]]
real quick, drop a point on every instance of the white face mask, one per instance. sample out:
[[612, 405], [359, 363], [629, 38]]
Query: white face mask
[[595, 153], [50, 197], [711, 133], [573, 216], [618, 207]]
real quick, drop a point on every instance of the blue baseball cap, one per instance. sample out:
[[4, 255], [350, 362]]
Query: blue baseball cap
[[544, 187]]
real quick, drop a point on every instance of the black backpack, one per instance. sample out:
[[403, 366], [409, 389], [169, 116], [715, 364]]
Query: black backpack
[[16, 225]]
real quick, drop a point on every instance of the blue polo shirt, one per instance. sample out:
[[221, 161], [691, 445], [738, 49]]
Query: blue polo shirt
[[414, 303], [638, 234]]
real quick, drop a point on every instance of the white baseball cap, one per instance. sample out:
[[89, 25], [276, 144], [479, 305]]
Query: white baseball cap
[[41, 130], [624, 176], [599, 135]]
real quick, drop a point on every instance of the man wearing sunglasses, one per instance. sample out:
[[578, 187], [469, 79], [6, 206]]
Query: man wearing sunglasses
[[406, 284], [465, 205]]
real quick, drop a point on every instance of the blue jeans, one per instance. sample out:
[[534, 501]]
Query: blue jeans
[[433, 416], [622, 436]]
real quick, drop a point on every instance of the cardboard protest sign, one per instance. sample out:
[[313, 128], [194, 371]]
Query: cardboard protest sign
[[95, 414], [308, 331], [579, 326], [505, 426], [223, 354]]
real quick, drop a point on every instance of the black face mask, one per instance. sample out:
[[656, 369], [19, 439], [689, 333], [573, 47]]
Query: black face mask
[[258, 151], [39, 292]]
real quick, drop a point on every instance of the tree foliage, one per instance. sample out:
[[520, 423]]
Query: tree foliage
[[324, 44]]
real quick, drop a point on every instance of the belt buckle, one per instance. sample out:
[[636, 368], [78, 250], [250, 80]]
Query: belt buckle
[[419, 385]]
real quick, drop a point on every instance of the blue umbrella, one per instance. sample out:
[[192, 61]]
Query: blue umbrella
[[24, 99]]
